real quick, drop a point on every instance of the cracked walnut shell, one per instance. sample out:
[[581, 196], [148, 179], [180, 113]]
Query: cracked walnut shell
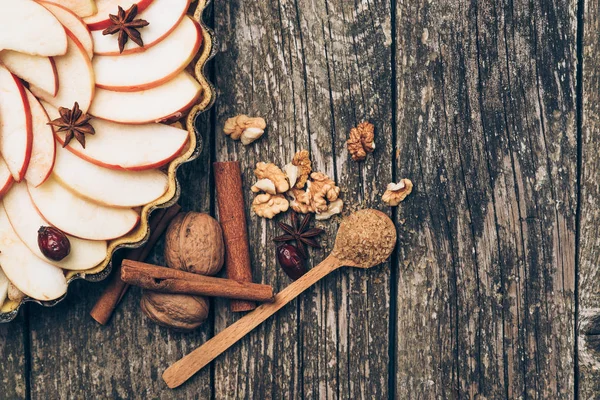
[[396, 192], [245, 128], [302, 161], [274, 174], [267, 205], [361, 141]]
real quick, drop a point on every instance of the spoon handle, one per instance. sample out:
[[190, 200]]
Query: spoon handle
[[185, 368]]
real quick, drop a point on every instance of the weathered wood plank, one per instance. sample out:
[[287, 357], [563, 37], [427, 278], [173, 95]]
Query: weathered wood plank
[[312, 69], [589, 249], [73, 357], [486, 130], [346, 50], [253, 77], [13, 352]]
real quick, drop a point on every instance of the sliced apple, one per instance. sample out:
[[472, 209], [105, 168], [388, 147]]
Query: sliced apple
[[140, 71], [75, 76], [78, 216], [110, 187], [73, 23], [6, 179], [37, 70], [81, 8], [155, 144], [153, 105], [101, 21], [26, 221], [31, 275], [3, 287], [163, 16], [16, 136], [27, 27], [43, 149]]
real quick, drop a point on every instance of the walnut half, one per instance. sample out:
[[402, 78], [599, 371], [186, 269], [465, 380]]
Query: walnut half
[[321, 197], [323, 191], [335, 207], [361, 141], [273, 173], [267, 205], [396, 192], [302, 161], [301, 201], [245, 128]]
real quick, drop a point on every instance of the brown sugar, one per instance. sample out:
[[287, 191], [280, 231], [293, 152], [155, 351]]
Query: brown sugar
[[366, 238]]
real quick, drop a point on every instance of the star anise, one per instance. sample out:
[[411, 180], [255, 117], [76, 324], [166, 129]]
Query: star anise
[[127, 26], [301, 233], [75, 123]]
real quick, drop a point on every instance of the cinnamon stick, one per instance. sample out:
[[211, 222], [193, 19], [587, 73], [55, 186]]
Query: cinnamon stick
[[116, 289], [232, 216], [168, 280]]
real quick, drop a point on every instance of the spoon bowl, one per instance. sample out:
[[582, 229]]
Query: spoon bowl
[[366, 238]]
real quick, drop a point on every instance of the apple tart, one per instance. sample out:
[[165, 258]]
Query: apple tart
[[90, 91]]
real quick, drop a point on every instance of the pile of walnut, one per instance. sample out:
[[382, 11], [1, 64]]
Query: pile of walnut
[[193, 243], [321, 195], [295, 186]]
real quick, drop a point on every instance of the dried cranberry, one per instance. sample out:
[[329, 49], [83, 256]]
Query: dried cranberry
[[291, 261], [53, 243]]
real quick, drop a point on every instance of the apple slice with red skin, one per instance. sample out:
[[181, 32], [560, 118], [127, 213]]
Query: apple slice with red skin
[[100, 20], [75, 77], [41, 34], [43, 149], [73, 23], [31, 275], [36, 70], [163, 17], [158, 104], [6, 179], [78, 216], [155, 144], [109, 187], [26, 221], [80, 8], [140, 71], [16, 134]]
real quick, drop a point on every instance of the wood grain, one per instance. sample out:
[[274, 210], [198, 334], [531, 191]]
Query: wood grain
[[312, 69], [589, 250], [475, 102], [253, 78], [487, 132], [14, 345]]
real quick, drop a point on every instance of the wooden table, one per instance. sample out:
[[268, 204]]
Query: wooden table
[[492, 109]]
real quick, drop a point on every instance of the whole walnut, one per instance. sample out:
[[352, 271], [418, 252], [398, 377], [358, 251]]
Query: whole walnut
[[177, 311], [194, 243]]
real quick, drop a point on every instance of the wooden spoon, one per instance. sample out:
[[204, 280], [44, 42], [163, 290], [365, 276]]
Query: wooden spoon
[[366, 238]]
